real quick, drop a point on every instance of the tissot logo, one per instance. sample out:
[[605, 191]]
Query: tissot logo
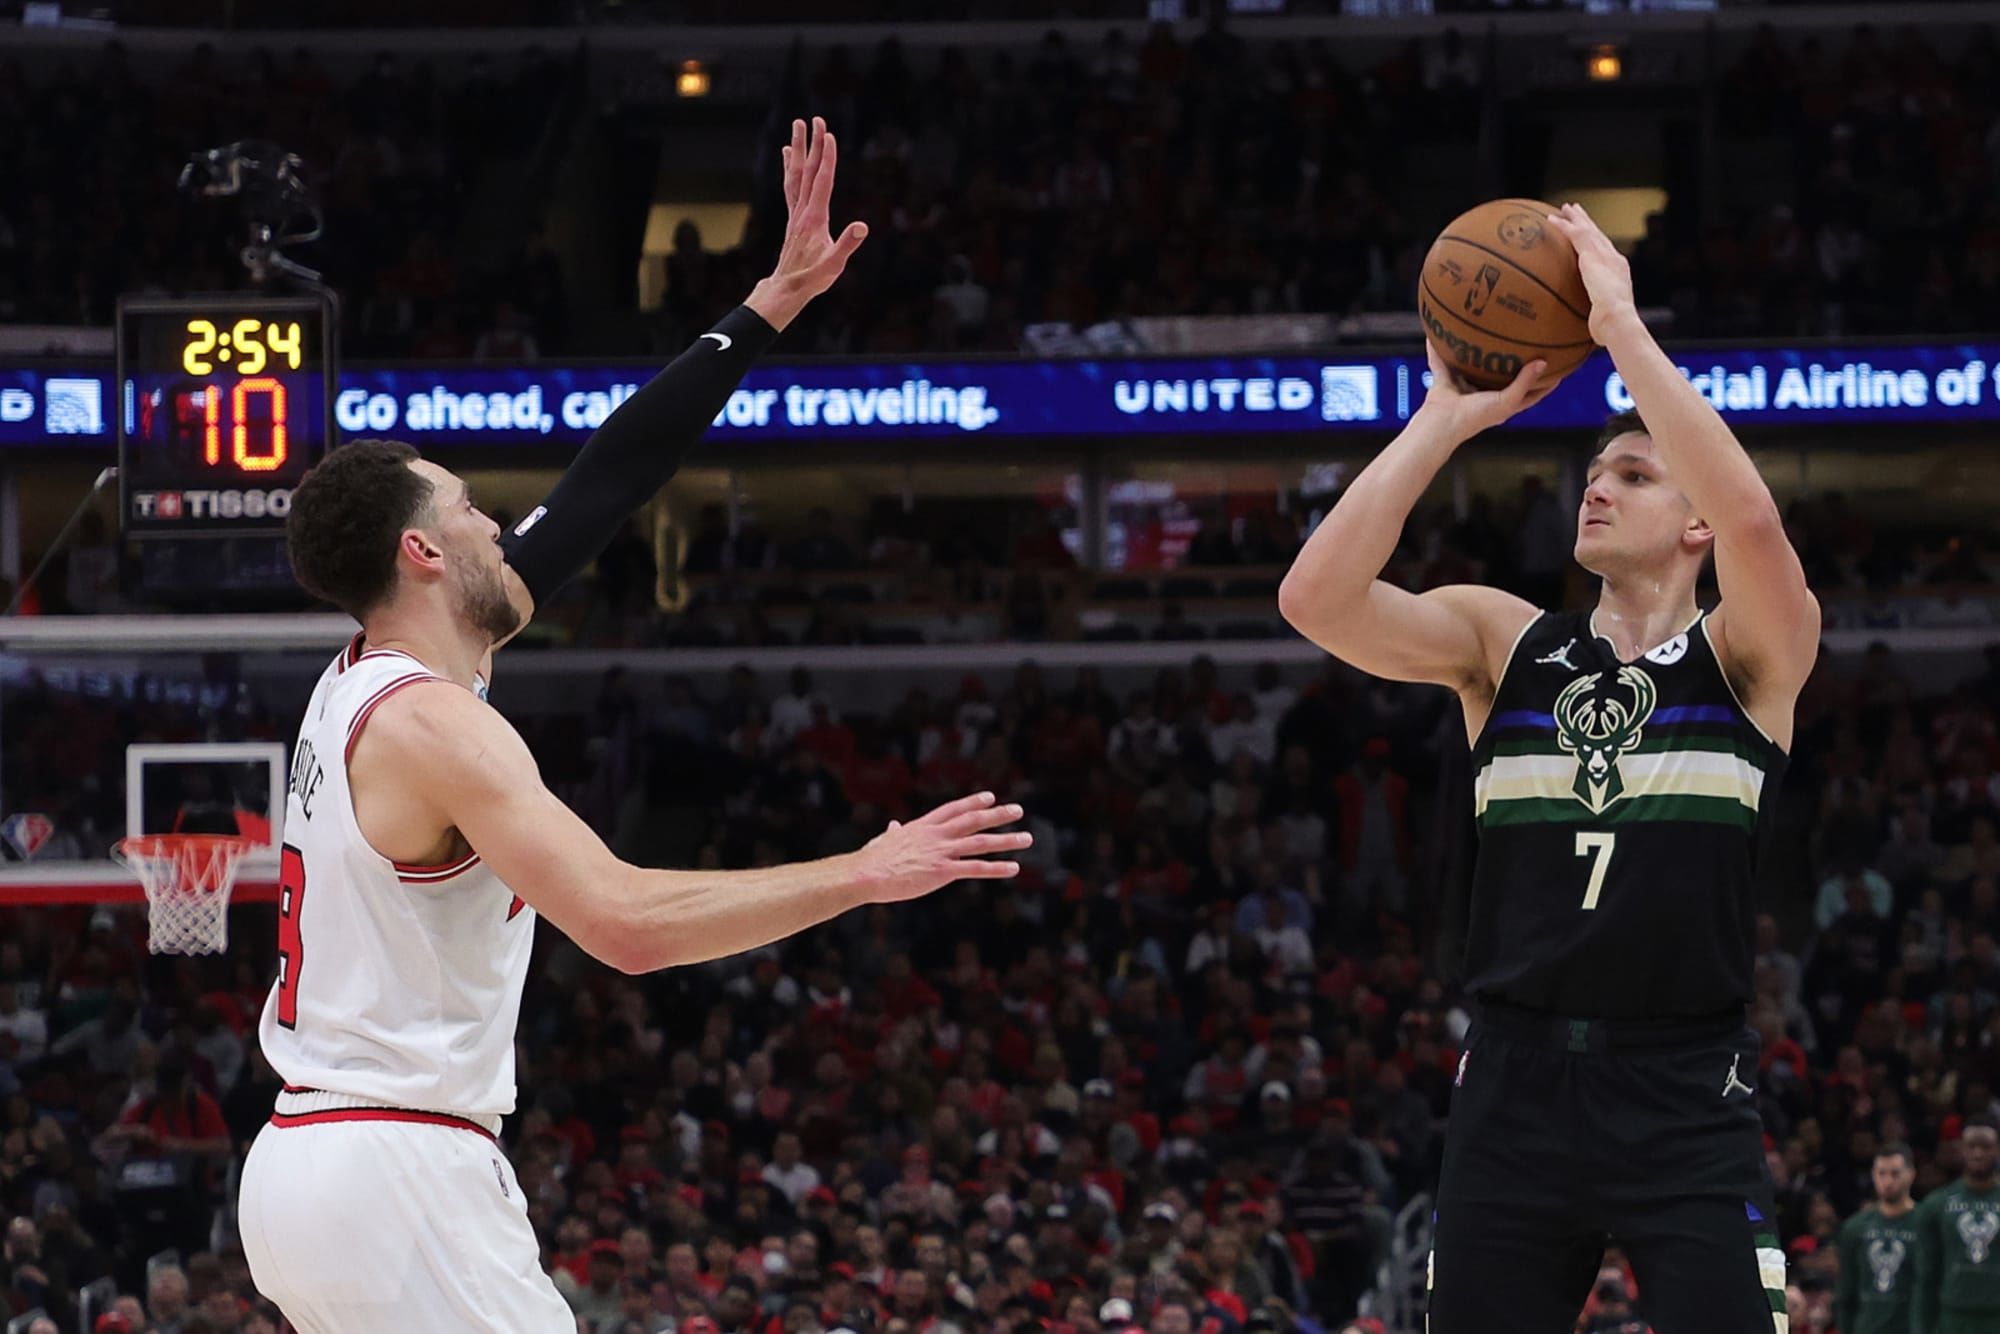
[[199, 506]]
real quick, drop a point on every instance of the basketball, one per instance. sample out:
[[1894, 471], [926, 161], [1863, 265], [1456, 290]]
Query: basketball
[[1499, 288]]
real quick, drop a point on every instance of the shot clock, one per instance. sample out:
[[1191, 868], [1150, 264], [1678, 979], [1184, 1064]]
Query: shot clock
[[223, 403]]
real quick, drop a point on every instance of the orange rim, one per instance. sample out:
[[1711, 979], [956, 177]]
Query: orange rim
[[190, 855], [165, 845]]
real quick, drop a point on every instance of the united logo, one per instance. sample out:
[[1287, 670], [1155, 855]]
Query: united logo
[[1599, 722]]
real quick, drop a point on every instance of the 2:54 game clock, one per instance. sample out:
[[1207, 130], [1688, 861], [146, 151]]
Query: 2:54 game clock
[[223, 404]]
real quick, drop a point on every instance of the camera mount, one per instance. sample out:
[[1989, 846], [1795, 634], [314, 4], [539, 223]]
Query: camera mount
[[270, 187]]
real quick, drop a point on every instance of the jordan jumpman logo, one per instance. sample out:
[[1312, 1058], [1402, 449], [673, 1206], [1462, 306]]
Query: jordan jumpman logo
[[1560, 657], [1731, 1084]]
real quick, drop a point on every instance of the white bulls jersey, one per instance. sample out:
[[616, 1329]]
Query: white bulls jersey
[[398, 986]]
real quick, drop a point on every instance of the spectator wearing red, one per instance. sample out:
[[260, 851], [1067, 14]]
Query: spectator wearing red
[[1220, 1082], [685, 1278], [1374, 826], [1131, 1110], [876, 775], [903, 992], [180, 1117], [830, 740], [636, 1173], [917, 1193], [1156, 875]]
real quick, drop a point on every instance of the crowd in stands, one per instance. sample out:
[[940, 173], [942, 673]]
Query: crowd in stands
[[1072, 184], [1218, 175], [1081, 184], [1180, 1075], [1189, 572], [95, 145], [1075, 183], [1185, 570], [294, 14], [1891, 219]]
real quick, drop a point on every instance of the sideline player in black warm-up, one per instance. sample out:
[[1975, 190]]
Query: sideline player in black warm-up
[[1623, 760]]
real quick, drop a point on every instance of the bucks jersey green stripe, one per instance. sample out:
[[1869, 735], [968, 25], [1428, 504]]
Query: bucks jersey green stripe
[[1669, 773], [1546, 744], [1632, 810], [1771, 1270]]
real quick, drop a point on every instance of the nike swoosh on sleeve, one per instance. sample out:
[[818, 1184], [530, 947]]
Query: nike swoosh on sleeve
[[722, 341]]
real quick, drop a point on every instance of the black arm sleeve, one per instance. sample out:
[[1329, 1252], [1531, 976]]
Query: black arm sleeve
[[631, 456]]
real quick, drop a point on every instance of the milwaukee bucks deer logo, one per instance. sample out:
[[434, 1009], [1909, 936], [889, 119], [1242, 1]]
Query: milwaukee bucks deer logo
[[1885, 1261], [1598, 725], [1977, 1228]]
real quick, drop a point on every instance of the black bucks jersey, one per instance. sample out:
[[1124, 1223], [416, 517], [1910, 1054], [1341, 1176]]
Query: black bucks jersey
[[1620, 808]]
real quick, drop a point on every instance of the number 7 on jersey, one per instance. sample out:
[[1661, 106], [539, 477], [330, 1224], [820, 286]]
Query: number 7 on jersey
[[1597, 847]]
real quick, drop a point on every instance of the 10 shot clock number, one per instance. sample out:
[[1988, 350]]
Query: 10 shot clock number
[[275, 448]]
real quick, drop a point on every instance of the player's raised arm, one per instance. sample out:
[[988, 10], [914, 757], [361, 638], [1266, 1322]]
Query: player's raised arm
[[437, 758], [1333, 594], [1769, 622], [641, 444]]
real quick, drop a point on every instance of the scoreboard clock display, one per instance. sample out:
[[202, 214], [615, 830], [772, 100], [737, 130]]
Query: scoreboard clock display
[[223, 403]]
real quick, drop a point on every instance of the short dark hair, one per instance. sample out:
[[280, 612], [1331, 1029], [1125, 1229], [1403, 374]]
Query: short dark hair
[[1617, 424], [1897, 1149], [346, 517]]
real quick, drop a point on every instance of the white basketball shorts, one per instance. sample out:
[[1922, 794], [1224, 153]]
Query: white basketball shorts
[[357, 1221]]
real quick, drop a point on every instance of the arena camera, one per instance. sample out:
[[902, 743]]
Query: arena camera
[[274, 196]]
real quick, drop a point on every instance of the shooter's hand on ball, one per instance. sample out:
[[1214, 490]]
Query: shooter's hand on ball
[[1464, 411], [1607, 276], [908, 861], [811, 257]]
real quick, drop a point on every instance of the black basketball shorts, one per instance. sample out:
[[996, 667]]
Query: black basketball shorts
[[1570, 1135]]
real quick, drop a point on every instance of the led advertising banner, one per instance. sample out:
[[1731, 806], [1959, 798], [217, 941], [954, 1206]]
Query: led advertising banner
[[479, 406]]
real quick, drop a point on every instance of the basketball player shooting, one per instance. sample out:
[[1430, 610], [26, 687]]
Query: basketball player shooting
[[1622, 758], [420, 844]]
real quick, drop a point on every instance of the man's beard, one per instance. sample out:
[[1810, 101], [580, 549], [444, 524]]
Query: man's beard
[[483, 604]]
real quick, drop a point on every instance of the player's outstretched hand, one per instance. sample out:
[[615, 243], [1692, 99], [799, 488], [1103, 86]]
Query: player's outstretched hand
[[1607, 275], [953, 842], [1467, 410], [812, 257]]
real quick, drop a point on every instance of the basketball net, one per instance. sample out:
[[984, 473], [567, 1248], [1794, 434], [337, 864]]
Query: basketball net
[[187, 878]]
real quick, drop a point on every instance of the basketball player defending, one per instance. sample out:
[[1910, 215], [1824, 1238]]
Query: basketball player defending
[[1623, 760], [420, 844]]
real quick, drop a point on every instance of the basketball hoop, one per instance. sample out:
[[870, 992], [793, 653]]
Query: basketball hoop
[[187, 878]]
